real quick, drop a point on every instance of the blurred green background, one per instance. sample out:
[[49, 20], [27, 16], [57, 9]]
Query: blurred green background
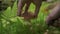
[[10, 23]]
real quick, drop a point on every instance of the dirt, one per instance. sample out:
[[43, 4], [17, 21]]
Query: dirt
[[28, 15]]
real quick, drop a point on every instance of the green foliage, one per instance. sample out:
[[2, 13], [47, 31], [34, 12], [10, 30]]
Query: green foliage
[[12, 24]]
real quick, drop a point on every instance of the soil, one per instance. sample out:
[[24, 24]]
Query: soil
[[28, 15]]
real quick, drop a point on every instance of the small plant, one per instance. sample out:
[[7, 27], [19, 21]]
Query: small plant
[[12, 24]]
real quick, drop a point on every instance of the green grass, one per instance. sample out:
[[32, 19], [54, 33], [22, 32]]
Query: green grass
[[12, 24]]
